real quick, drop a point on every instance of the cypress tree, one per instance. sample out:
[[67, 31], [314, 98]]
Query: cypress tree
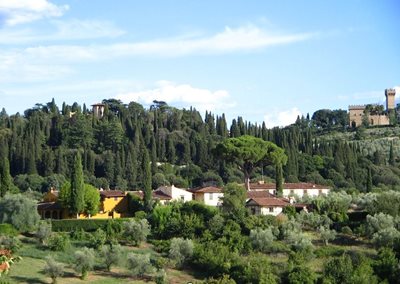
[[279, 179], [391, 155], [147, 192], [77, 186], [5, 177], [369, 180]]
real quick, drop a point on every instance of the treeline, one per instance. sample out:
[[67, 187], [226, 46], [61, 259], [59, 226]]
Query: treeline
[[39, 147]]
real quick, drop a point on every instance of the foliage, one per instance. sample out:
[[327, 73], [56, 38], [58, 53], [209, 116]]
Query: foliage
[[255, 269], [77, 202], [88, 225], [111, 255], [327, 234], [92, 200], [136, 231], [98, 238], [84, 261], [262, 240], [386, 266], [301, 274], [44, 231], [19, 211], [53, 269], [139, 264], [58, 242], [181, 250], [7, 230], [10, 243], [233, 202], [249, 152]]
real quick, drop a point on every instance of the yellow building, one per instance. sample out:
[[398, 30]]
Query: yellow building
[[113, 204]]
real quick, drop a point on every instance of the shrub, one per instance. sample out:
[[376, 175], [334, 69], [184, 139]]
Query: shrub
[[111, 255], [327, 234], [386, 237], [19, 211], [98, 238], [8, 230], [11, 243], [161, 277], [299, 242], [43, 232], [301, 275], [254, 269], [262, 240], [347, 230], [88, 225], [225, 279], [84, 261], [180, 251], [53, 269], [139, 264], [136, 231], [58, 242], [378, 222]]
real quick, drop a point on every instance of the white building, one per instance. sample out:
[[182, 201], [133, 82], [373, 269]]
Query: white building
[[293, 189], [266, 205], [176, 194], [209, 195]]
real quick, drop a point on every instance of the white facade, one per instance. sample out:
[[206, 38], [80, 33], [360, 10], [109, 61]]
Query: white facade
[[313, 192], [177, 194], [213, 198], [266, 210]]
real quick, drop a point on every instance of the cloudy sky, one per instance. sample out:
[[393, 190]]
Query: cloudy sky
[[263, 60]]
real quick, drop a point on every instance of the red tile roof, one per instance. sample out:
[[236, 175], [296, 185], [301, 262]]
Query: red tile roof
[[300, 185], [157, 194], [259, 194], [207, 189], [279, 202], [111, 193]]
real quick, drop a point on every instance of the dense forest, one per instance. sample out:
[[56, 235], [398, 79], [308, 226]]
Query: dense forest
[[351, 235], [39, 147]]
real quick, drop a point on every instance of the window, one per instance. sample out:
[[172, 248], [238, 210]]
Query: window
[[291, 191], [182, 198], [270, 209], [211, 196], [115, 198], [304, 191]]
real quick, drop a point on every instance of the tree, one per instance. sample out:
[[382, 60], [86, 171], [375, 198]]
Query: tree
[[139, 264], [5, 177], [84, 261], [53, 269], [20, 211], [147, 197], [386, 265], [249, 152], [327, 234], [92, 200], [181, 250], [77, 186], [136, 231], [301, 274], [43, 232], [233, 202], [111, 255], [262, 240]]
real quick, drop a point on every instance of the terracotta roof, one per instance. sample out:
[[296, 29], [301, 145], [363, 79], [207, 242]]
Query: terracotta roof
[[49, 206], [300, 185], [259, 194], [111, 193], [156, 195], [207, 189], [279, 202]]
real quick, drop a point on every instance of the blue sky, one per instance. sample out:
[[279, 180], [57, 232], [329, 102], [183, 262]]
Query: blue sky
[[263, 60]]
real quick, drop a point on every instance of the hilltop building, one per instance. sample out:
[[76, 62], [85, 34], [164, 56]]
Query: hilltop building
[[98, 110], [372, 114]]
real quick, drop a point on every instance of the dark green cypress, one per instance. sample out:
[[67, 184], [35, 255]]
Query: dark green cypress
[[279, 180], [77, 186], [147, 191]]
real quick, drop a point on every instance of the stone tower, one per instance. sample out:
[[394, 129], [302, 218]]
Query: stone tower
[[98, 110], [390, 93]]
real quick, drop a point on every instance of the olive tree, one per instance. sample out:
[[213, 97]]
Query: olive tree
[[262, 240], [180, 250], [136, 231], [84, 261], [53, 269], [19, 211]]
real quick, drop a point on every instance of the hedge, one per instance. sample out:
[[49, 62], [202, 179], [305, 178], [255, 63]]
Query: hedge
[[8, 230], [88, 225]]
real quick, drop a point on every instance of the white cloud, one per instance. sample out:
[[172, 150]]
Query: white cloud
[[61, 31], [281, 118], [183, 95], [244, 38], [24, 11]]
